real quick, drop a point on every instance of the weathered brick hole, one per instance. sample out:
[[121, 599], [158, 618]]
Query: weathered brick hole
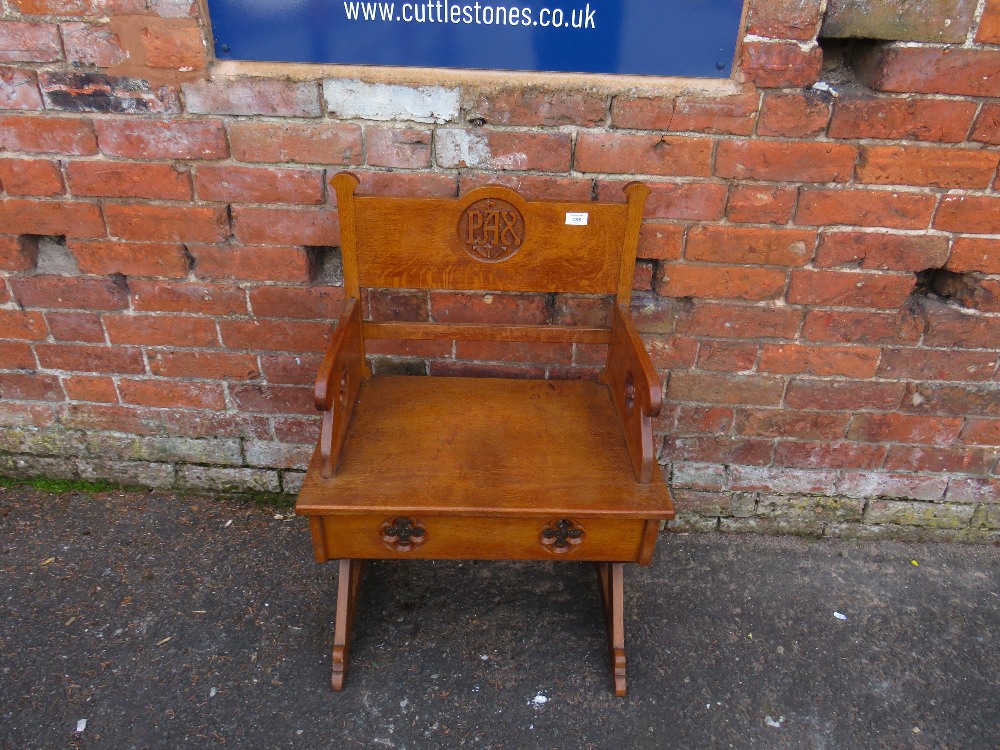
[[844, 58], [189, 260], [51, 255], [325, 265], [961, 288]]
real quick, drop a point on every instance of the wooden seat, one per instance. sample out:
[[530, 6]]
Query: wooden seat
[[486, 468]]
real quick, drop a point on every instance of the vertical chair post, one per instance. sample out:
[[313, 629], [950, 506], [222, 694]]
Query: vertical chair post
[[348, 585], [611, 581]]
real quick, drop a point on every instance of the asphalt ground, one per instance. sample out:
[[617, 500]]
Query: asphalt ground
[[148, 620]]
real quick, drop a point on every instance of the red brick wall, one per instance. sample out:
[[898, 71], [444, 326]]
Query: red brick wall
[[819, 280]]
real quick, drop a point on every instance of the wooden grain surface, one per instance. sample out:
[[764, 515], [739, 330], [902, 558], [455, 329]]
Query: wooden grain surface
[[488, 447]]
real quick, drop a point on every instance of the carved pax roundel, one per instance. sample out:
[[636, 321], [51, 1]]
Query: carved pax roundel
[[491, 230]]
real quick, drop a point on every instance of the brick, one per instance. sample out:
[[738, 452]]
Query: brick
[[689, 201], [748, 245], [977, 400], [22, 324], [51, 218], [950, 326], [253, 96], [217, 451], [72, 8], [727, 356], [166, 394], [110, 417], [316, 302], [407, 148], [970, 214], [720, 282], [781, 64], [293, 226], [975, 254], [295, 369], [456, 307], [16, 255], [162, 139], [989, 24], [760, 390], [881, 251], [34, 134], [213, 424], [925, 165], [865, 208], [503, 150], [931, 364], [187, 297], [90, 388], [728, 114], [718, 450], [671, 351], [932, 515], [392, 304], [296, 143], [82, 358], [123, 180], [354, 99], [227, 479], [853, 361], [297, 429], [277, 455], [403, 348], [92, 44], [987, 125], [174, 45], [828, 455], [904, 428], [206, 365], [19, 89], [273, 399], [16, 355], [16, 386], [793, 115], [31, 177], [250, 263], [149, 223], [863, 327], [275, 335], [981, 432], [714, 420], [174, 8], [785, 161], [535, 106], [21, 41], [782, 480], [938, 460], [941, 21], [736, 321], [532, 187], [592, 354], [697, 475], [866, 484], [784, 19], [98, 92], [761, 204], [781, 423], [514, 351], [930, 70], [901, 118], [845, 289], [570, 310], [660, 241], [974, 490], [233, 184], [84, 327], [152, 259], [161, 330], [641, 154], [841, 395], [51, 291]]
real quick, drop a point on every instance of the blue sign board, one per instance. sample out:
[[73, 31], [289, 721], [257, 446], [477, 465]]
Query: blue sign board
[[641, 37]]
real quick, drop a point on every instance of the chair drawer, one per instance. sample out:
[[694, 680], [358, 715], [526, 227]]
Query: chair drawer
[[482, 538]]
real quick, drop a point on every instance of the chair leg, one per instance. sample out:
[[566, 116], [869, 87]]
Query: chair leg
[[611, 581], [348, 585]]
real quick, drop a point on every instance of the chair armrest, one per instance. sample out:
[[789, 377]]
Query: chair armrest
[[635, 391], [337, 384]]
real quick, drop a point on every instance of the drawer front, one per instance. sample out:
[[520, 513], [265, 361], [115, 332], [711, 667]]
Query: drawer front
[[471, 538]]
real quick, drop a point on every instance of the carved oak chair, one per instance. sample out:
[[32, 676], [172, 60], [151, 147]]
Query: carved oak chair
[[486, 468]]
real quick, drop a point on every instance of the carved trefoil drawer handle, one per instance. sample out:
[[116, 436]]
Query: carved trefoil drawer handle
[[402, 534], [561, 536]]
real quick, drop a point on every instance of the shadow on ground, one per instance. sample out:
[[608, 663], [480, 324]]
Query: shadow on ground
[[171, 622]]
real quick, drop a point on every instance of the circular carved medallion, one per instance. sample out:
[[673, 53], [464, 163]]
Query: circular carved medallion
[[491, 230]]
